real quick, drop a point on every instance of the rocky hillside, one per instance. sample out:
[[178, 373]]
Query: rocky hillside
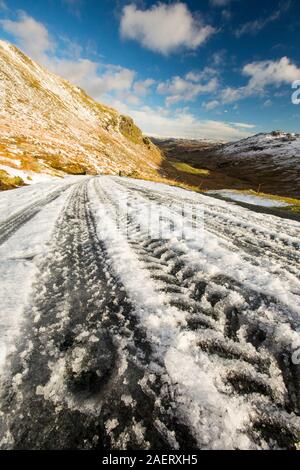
[[50, 127], [269, 161]]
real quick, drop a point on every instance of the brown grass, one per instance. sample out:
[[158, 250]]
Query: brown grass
[[9, 182]]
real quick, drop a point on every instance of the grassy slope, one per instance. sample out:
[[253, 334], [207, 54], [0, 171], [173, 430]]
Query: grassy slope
[[250, 174], [204, 179], [9, 182], [213, 180], [49, 126]]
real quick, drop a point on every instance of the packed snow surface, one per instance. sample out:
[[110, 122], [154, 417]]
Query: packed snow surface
[[249, 198], [138, 315]]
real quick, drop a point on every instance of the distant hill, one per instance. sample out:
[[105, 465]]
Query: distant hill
[[270, 161]]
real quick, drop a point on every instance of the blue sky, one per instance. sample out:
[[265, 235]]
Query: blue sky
[[217, 69]]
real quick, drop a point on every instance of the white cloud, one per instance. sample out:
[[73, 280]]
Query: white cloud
[[117, 85], [220, 3], [219, 57], [96, 78], [226, 15], [253, 27], [142, 88], [164, 28], [74, 6], [229, 94], [263, 74], [179, 89], [205, 74], [32, 35], [271, 72], [243, 125], [3, 5], [180, 123], [267, 103], [210, 105], [71, 49]]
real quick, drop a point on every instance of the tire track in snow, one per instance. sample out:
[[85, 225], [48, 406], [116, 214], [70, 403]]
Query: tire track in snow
[[82, 367], [9, 226], [232, 334], [247, 236], [87, 375], [287, 272]]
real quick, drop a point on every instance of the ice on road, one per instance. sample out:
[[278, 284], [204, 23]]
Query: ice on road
[[119, 333]]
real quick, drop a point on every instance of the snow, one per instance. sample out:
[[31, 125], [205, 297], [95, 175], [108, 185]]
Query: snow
[[193, 374], [193, 378], [248, 261], [214, 256], [11, 202], [249, 198], [29, 177], [19, 257], [45, 118], [271, 159], [11, 160], [282, 148]]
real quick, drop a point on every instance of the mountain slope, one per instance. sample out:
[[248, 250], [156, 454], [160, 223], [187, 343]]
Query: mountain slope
[[271, 160], [49, 126]]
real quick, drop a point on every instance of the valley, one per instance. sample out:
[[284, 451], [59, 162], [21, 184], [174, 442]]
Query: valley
[[265, 163]]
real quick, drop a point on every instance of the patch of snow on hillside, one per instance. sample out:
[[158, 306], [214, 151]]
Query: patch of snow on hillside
[[283, 147], [29, 177], [249, 198]]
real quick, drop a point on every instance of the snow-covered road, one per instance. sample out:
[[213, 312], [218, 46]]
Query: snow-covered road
[[117, 333]]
